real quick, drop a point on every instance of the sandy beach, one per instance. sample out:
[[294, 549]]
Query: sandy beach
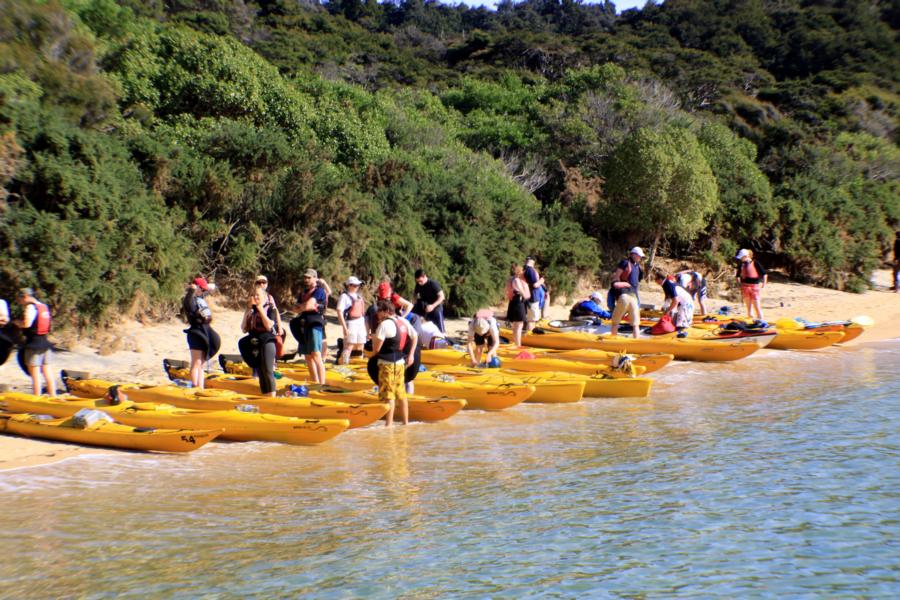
[[133, 351]]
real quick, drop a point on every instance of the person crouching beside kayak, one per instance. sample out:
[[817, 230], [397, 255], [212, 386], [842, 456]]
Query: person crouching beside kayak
[[624, 291], [483, 338], [258, 347], [753, 279], [518, 295], [678, 303], [394, 348], [35, 324], [591, 307], [203, 341], [695, 284]]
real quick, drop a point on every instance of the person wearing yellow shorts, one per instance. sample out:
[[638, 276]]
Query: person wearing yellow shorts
[[394, 347]]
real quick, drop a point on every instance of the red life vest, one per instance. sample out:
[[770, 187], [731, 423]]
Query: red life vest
[[357, 307], [626, 272], [41, 324], [748, 270]]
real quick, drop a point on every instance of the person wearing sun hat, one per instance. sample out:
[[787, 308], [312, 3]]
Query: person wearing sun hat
[[624, 291], [752, 278], [592, 307], [203, 342], [483, 338], [351, 312]]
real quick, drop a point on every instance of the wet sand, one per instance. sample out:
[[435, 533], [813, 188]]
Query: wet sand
[[133, 351]]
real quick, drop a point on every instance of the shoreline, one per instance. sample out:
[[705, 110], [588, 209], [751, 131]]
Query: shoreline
[[133, 351]]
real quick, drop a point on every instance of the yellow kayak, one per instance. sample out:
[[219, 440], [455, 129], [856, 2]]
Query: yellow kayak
[[420, 409], [547, 391], [541, 362], [235, 425], [648, 362], [104, 433], [595, 386], [681, 348], [477, 397], [805, 339], [358, 415]]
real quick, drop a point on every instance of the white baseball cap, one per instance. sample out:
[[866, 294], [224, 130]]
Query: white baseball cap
[[352, 280], [596, 296], [482, 326], [637, 250], [742, 253]]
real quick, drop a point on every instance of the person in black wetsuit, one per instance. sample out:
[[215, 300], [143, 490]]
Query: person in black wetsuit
[[203, 341]]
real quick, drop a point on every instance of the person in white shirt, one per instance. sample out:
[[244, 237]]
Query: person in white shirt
[[351, 311], [484, 338]]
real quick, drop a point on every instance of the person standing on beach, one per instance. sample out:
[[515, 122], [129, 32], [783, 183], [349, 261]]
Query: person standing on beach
[[752, 278], [35, 324], [896, 274], [429, 299], [394, 346], [309, 327], [203, 341], [695, 284], [624, 291], [518, 294], [536, 288], [258, 347], [352, 317], [402, 306], [263, 282], [6, 342]]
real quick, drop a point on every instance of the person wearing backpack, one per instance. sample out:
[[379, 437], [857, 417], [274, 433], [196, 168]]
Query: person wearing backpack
[[35, 324], [624, 291], [309, 326], [351, 312], [394, 348]]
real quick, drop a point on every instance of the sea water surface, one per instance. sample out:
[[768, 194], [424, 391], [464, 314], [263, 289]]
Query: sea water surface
[[776, 476]]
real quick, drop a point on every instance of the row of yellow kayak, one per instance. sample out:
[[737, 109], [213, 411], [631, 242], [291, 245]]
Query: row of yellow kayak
[[560, 366]]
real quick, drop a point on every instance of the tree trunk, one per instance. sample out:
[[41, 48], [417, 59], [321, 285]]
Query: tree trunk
[[653, 249]]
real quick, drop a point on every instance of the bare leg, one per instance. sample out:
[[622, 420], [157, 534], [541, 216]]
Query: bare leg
[[197, 359], [517, 332], [635, 323], [48, 376], [34, 373], [756, 305], [319, 366]]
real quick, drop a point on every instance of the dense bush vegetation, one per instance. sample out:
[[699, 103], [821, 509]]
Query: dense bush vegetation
[[141, 142]]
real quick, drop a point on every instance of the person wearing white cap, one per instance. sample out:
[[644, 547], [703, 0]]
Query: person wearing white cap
[[592, 307], [351, 311], [484, 338], [752, 278], [624, 291]]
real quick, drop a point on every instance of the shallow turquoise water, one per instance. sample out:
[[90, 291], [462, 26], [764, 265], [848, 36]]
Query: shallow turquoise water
[[775, 476]]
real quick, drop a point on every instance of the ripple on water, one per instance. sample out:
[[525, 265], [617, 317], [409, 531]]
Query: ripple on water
[[772, 476]]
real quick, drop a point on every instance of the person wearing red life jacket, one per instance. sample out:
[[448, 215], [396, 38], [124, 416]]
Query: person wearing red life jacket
[[351, 312], [394, 347], [35, 324], [402, 306], [753, 278], [624, 292]]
